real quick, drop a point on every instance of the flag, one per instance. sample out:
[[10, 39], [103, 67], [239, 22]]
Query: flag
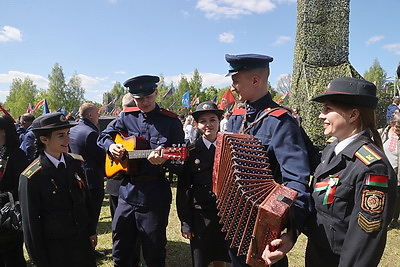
[[114, 100], [283, 97], [39, 104], [195, 100], [169, 92], [226, 99], [186, 100], [45, 108], [214, 99], [62, 110], [173, 104], [6, 113], [30, 108]]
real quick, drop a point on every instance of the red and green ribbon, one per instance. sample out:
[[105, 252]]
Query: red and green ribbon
[[329, 186]]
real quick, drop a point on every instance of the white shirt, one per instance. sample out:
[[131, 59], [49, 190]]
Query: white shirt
[[54, 160], [208, 143], [344, 143]]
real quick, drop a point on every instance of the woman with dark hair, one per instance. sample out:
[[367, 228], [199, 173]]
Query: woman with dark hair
[[55, 201], [354, 185], [196, 203], [12, 162]]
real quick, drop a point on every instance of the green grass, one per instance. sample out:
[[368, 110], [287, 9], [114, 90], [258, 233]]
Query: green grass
[[178, 249]]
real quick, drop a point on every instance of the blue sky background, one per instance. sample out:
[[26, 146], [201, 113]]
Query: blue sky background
[[112, 40]]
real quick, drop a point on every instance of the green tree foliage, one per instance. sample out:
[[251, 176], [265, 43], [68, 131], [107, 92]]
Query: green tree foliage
[[321, 54], [376, 74], [22, 93], [56, 94], [210, 92], [74, 93]]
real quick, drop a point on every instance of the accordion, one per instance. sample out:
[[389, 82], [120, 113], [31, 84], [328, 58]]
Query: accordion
[[252, 207]]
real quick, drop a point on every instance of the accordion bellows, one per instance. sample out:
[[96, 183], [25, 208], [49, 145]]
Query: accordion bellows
[[253, 208]]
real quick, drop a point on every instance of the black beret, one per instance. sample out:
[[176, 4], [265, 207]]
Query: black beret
[[50, 122], [205, 107], [246, 62], [350, 91], [141, 86]]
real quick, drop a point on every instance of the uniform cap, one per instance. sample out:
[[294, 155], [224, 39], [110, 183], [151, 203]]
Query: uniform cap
[[351, 91], [205, 107], [141, 86], [52, 121], [246, 62]]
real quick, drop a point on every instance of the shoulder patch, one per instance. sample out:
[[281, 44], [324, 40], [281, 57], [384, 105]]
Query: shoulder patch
[[367, 155], [331, 139], [168, 113], [76, 156], [131, 109], [33, 168], [277, 112]]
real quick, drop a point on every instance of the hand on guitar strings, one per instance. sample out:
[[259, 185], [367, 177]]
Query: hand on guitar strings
[[117, 151], [277, 249], [156, 157]]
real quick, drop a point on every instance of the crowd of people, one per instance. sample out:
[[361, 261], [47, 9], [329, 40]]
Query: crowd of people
[[346, 196]]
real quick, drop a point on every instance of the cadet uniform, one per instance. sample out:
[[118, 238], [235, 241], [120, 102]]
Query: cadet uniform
[[144, 198], [56, 207], [281, 135], [354, 188], [196, 203]]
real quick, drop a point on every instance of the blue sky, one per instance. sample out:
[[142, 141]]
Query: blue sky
[[104, 41]]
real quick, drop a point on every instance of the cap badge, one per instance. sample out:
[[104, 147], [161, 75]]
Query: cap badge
[[62, 118], [206, 107]]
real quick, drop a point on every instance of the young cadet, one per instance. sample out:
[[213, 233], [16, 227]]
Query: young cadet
[[144, 196], [196, 203], [354, 185], [280, 134], [55, 202]]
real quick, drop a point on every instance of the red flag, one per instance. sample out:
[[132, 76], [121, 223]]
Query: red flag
[[29, 109], [6, 113], [226, 99], [39, 104], [283, 97]]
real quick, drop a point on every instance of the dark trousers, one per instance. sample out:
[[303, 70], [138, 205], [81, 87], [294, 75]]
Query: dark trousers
[[70, 251], [97, 196], [240, 261], [131, 223], [12, 254]]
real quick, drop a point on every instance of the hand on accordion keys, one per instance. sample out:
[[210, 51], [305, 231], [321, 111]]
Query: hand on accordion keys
[[278, 249]]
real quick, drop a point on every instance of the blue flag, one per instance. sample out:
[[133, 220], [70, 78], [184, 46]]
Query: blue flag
[[186, 100], [45, 107]]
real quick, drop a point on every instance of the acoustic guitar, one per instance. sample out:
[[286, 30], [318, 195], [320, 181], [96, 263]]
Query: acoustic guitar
[[133, 145]]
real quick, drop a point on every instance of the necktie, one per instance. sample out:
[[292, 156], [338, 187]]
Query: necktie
[[61, 166], [212, 148]]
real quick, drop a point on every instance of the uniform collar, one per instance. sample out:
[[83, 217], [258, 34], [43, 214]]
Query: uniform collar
[[207, 143], [260, 104], [344, 143], [54, 160]]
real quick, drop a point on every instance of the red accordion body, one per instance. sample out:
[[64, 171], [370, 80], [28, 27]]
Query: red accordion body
[[253, 208]]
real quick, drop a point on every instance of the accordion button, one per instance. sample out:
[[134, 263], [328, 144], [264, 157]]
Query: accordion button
[[196, 161]]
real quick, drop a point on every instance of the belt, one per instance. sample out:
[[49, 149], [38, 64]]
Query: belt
[[145, 178]]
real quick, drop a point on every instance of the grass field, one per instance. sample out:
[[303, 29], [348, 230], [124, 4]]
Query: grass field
[[178, 250]]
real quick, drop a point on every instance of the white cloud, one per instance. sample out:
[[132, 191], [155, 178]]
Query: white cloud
[[374, 39], [226, 37], [9, 34], [120, 72], [393, 48], [209, 79], [185, 13], [216, 9], [38, 80], [282, 40]]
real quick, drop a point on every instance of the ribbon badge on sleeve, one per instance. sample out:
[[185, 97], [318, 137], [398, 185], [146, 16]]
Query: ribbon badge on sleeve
[[330, 187]]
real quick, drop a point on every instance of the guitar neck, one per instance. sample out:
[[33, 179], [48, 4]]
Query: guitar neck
[[139, 154]]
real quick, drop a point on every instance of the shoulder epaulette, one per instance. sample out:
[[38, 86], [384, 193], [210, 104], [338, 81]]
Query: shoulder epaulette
[[76, 156], [277, 112], [331, 139], [191, 146], [367, 155], [33, 168], [131, 109], [239, 111], [168, 113]]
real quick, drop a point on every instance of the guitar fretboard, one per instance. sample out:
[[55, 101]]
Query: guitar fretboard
[[139, 154]]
